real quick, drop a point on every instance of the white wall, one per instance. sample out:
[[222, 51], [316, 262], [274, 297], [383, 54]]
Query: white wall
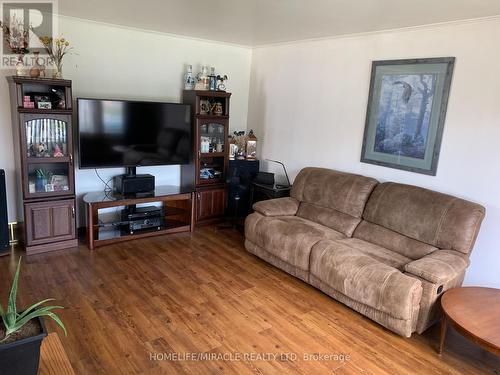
[[308, 105], [117, 62]]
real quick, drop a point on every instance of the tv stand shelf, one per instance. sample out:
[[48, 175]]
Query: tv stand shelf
[[177, 206]]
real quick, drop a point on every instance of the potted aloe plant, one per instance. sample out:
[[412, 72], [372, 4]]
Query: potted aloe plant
[[21, 333]]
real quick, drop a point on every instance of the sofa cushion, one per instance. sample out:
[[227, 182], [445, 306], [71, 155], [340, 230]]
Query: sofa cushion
[[289, 238], [332, 198], [439, 267], [277, 207], [437, 219], [391, 240], [386, 256], [365, 279], [329, 217]]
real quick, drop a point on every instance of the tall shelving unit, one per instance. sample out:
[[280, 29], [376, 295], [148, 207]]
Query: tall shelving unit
[[208, 168], [43, 142]]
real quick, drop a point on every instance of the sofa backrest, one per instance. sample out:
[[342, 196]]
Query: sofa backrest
[[415, 221], [331, 198]]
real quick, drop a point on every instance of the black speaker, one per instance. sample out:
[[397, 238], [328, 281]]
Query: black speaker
[[240, 177], [134, 184], [4, 227]]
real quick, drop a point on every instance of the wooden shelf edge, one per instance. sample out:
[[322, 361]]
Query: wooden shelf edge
[[47, 81], [213, 181], [43, 160], [212, 155], [49, 195], [131, 237], [128, 201], [53, 111], [219, 94], [49, 199], [211, 117]]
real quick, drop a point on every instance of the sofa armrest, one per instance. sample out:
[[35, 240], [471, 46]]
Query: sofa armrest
[[277, 207], [439, 267]]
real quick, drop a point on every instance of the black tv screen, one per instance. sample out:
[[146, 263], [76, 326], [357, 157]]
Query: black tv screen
[[118, 133]]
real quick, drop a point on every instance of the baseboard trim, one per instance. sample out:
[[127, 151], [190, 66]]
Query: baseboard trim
[[56, 246]]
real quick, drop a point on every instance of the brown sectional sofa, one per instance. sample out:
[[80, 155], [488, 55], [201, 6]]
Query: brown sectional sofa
[[386, 250]]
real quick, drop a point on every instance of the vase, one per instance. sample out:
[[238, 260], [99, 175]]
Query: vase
[[20, 71], [58, 71], [37, 68], [189, 80]]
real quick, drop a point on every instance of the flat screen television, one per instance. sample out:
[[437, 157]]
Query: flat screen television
[[119, 133]]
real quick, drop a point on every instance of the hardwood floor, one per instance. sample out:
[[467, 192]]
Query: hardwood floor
[[202, 293]]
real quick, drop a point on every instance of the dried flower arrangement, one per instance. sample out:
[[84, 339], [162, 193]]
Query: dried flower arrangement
[[56, 49], [16, 36]]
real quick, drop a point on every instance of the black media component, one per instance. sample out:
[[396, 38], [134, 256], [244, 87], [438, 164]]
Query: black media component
[[130, 184], [265, 178], [4, 227], [138, 219], [241, 174]]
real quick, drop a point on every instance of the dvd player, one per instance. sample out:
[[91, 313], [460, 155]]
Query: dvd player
[[136, 219], [132, 213]]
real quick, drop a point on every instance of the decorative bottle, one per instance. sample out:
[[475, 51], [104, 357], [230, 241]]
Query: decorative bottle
[[20, 70], [189, 80], [212, 79]]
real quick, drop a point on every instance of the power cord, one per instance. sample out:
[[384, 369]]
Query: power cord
[[107, 188]]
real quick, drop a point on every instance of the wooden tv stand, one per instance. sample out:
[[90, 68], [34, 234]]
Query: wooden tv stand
[[178, 214]]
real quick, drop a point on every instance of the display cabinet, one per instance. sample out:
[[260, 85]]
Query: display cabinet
[[209, 164], [43, 140]]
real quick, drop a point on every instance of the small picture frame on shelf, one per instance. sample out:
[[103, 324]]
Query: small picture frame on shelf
[[49, 188], [59, 182], [44, 105]]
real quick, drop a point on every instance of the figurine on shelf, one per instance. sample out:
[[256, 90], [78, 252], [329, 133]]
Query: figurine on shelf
[[217, 109], [203, 80], [219, 147], [222, 82], [204, 107], [57, 152], [39, 149]]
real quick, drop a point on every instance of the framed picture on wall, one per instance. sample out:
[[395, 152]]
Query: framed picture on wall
[[406, 113]]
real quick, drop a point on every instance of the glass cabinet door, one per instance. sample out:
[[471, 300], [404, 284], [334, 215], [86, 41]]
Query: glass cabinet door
[[212, 148], [51, 178], [212, 139], [46, 142], [46, 138]]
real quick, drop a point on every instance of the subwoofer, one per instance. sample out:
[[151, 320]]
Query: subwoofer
[[241, 173], [4, 227]]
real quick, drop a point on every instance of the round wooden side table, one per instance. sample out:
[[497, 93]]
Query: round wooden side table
[[475, 313]]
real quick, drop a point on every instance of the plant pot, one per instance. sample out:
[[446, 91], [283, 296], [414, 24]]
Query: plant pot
[[22, 357]]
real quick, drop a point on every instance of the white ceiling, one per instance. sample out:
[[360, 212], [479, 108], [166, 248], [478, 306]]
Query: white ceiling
[[258, 22]]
